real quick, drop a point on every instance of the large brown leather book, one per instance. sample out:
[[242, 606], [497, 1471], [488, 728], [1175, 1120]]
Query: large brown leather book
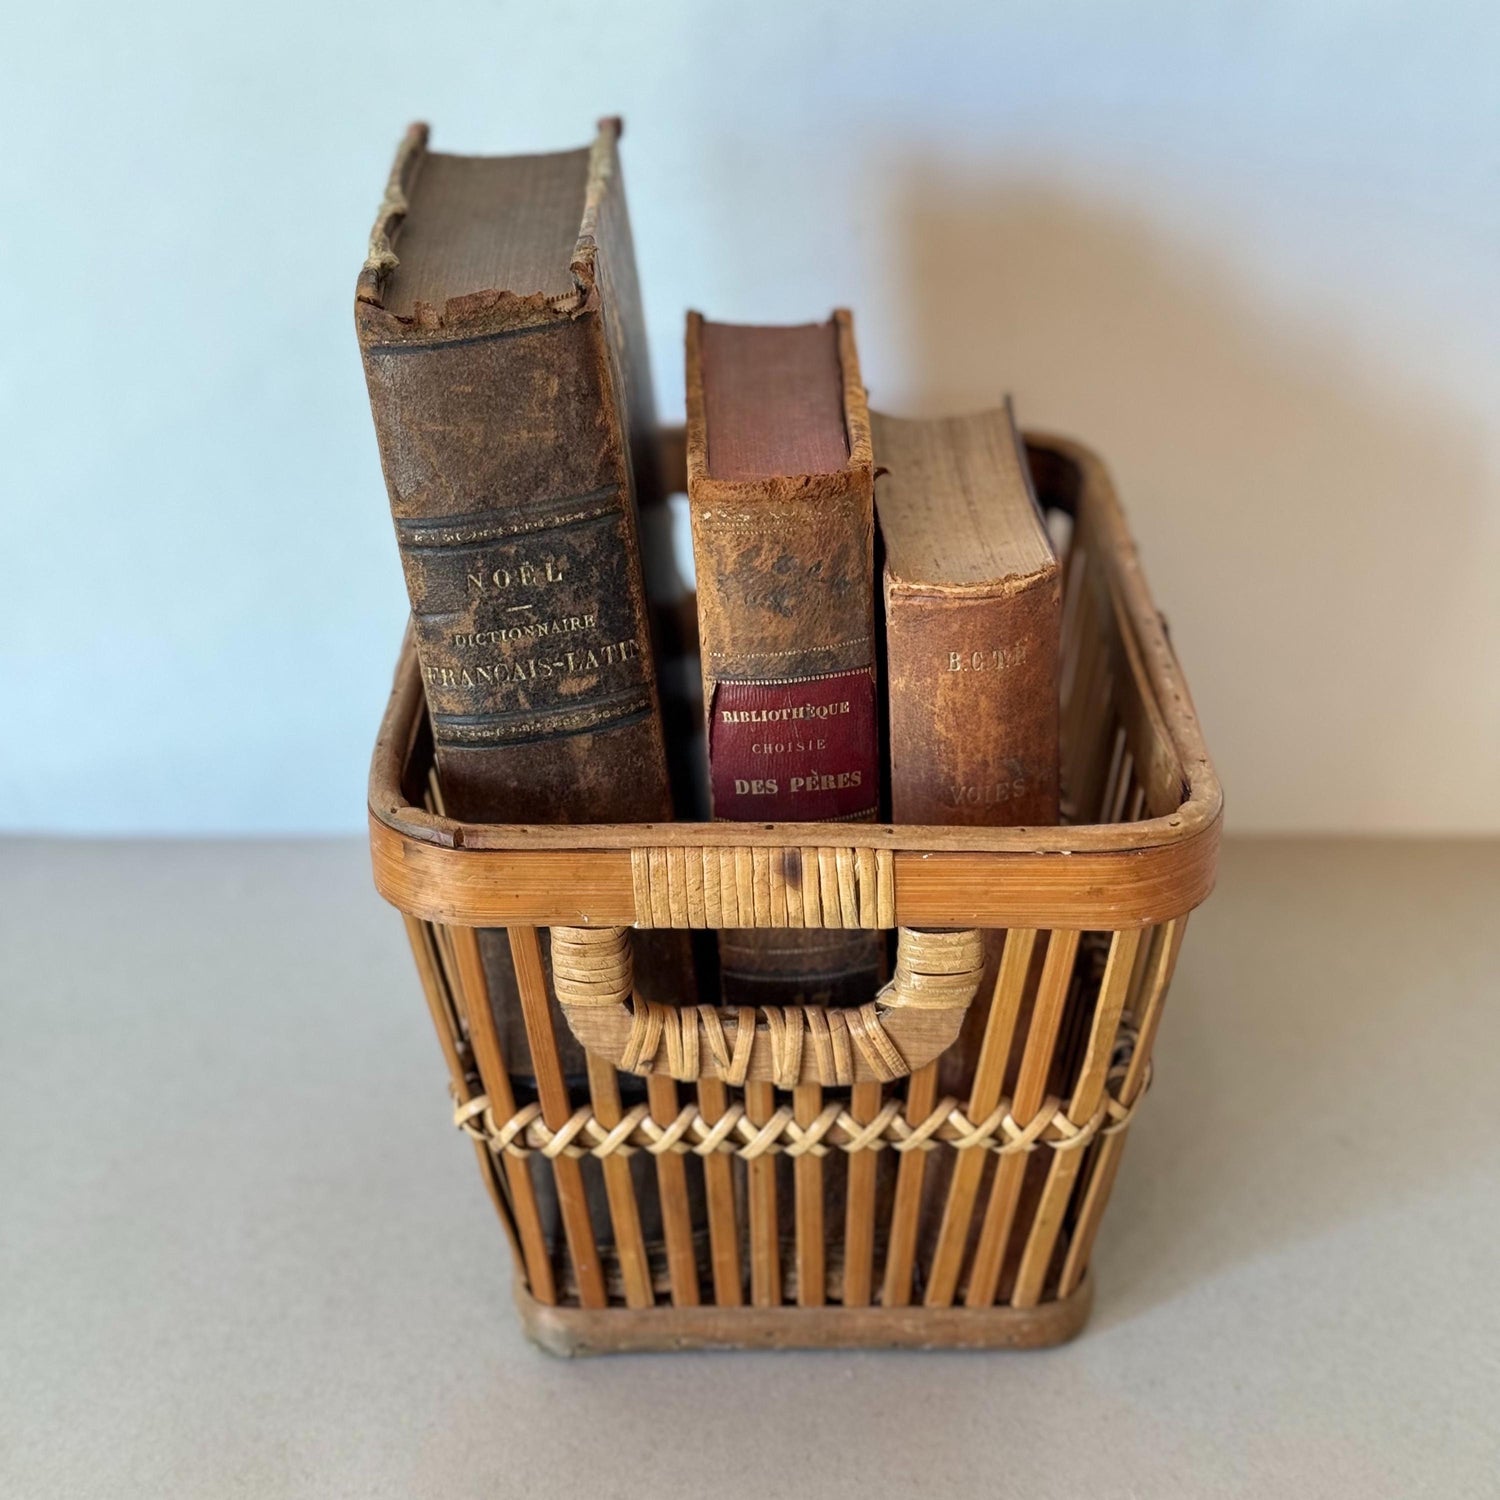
[[780, 490], [500, 324], [973, 612]]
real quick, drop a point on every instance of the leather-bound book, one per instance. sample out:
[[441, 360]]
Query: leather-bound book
[[504, 350], [500, 324], [973, 612], [780, 488]]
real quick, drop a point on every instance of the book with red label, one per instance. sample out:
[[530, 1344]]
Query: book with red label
[[781, 492]]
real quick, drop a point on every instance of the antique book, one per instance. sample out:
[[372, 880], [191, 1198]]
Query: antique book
[[504, 351], [973, 611], [500, 324], [780, 489]]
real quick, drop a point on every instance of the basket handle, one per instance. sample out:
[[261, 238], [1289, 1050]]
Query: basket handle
[[908, 1024]]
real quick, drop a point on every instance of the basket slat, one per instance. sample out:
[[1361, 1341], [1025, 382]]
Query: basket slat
[[1062, 1173], [865, 1100], [624, 1211], [989, 1079], [1168, 943], [906, 1207], [765, 1238], [479, 1022], [723, 1216]]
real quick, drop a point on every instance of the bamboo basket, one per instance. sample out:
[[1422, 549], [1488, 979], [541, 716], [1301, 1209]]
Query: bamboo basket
[[781, 1178]]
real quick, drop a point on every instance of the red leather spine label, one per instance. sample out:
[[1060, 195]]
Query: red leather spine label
[[799, 751]]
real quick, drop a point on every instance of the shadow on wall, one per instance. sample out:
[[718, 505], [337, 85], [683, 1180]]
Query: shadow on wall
[[1265, 461]]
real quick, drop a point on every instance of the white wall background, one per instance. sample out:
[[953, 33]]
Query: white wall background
[[1249, 251]]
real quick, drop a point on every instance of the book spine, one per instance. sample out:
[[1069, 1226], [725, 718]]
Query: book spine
[[511, 490], [786, 626], [973, 704]]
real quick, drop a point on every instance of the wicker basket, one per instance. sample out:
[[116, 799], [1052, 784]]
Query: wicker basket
[[792, 1177]]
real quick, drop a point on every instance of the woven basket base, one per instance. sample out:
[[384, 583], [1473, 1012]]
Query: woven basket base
[[621, 1330]]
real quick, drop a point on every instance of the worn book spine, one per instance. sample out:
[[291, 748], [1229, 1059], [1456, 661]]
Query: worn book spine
[[785, 577], [972, 676], [502, 435]]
